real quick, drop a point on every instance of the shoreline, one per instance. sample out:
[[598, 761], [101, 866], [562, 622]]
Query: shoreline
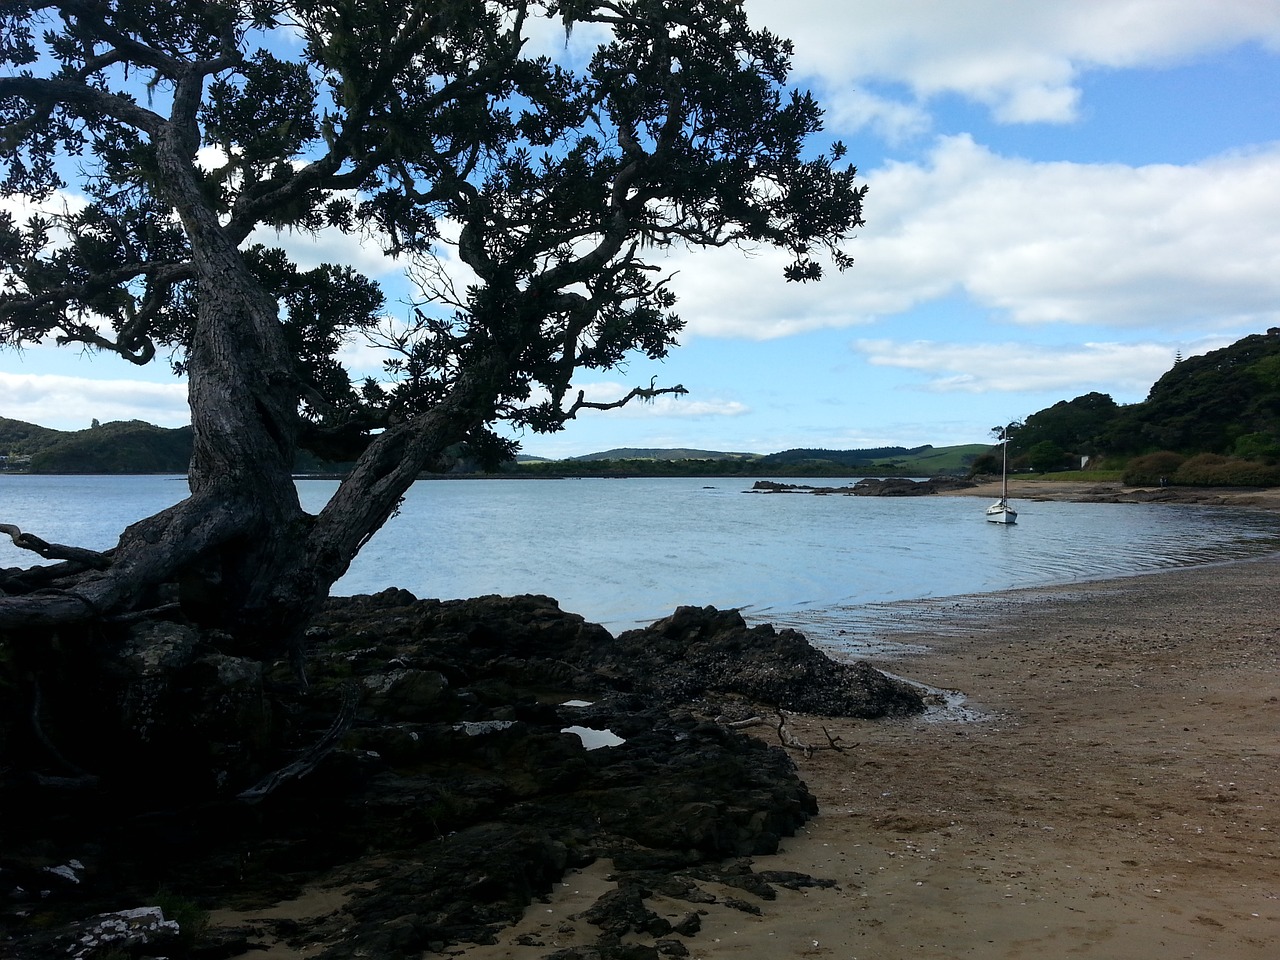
[[1117, 793], [1113, 491]]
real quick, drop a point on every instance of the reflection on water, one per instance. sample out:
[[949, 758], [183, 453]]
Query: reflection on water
[[624, 552]]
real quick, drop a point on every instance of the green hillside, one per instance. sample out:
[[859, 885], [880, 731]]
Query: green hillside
[[1210, 420], [673, 453], [118, 447], [124, 446], [878, 462], [937, 461]]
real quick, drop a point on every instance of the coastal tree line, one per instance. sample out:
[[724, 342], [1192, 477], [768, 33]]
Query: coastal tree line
[[1210, 420]]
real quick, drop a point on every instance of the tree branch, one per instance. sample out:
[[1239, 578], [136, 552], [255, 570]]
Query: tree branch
[[638, 393], [44, 94], [55, 551]]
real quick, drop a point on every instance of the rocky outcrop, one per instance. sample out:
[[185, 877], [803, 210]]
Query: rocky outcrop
[[705, 653], [436, 764], [871, 487]]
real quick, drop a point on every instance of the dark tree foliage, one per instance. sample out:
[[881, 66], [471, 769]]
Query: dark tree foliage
[[121, 447], [1046, 456], [155, 141], [1206, 404], [1073, 426]]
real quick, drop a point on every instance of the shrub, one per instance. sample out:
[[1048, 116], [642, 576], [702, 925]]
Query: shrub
[[1257, 446], [1152, 468], [1213, 470]]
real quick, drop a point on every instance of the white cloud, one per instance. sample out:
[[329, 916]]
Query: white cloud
[[892, 120], [1166, 247], [1022, 60], [547, 37], [1160, 245], [1125, 368], [330, 245], [71, 403]]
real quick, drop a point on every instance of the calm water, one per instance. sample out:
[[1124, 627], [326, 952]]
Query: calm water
[[622, 552]]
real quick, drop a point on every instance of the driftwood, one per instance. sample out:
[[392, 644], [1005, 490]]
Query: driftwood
[[785, 736], [789, 740]]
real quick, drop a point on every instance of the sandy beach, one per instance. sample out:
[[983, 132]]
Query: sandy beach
[[1110, 788]]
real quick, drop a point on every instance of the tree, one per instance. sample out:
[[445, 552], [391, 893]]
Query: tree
[[1008, 432], [1045, 456], [1072, 425], [422, 127]]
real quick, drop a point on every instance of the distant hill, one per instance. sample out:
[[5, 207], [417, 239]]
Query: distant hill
[[117, 447], [848, 458], [137, 447], [683, 462], [122, 446], [674, 453]]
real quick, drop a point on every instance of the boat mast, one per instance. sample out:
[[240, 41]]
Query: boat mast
[[1004, 470]]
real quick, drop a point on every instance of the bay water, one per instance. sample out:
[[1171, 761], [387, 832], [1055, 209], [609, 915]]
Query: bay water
[[623, 552]]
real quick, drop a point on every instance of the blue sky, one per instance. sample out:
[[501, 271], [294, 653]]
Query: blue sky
[[1063, 195]]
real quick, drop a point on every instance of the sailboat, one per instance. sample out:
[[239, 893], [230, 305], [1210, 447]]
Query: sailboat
[[1000, 511]]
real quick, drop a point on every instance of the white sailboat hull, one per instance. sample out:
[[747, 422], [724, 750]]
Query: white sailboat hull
[[1001, 512]]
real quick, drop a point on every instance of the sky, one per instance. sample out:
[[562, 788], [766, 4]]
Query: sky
[[1064, 196]]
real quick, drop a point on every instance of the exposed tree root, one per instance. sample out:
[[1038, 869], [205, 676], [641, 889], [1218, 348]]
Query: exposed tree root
[[308, 761], [91, 559]]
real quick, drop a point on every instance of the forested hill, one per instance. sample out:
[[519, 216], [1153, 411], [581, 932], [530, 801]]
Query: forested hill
[[119, 447], [1223, 404], [123, 446], [1226, 401]]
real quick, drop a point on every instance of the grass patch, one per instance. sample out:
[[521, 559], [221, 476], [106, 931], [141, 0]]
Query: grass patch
[[1076, 476]]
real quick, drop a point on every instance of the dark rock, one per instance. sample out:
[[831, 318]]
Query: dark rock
[[794, 881], [405, 694], [623, 911], [427, 766], [699, 652], [138, 932], [688, 925], [872, 487]]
